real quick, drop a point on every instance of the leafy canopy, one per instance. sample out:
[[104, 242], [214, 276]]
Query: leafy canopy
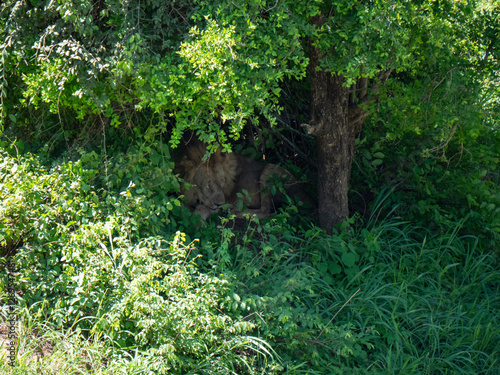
[[210, 66]]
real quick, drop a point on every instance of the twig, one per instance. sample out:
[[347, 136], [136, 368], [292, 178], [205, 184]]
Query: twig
[[443, 145], [296, 150], [272, 6], [331, 320]]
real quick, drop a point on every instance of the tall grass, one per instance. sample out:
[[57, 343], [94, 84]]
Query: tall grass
[[408, 302], [428, 303]]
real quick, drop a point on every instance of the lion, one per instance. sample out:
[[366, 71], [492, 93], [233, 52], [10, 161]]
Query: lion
[[245, 185]]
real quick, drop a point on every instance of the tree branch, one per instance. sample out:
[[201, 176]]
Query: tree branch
[[357, 115]]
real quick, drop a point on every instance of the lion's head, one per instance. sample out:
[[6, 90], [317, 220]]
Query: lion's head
[[212, 180]]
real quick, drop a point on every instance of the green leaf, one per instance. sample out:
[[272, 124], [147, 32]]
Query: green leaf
[[349, 259]]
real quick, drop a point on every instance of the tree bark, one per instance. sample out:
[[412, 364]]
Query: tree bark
[[337, 116], [335, 142]]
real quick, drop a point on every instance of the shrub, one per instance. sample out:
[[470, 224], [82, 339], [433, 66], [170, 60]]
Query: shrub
[[81, 263]]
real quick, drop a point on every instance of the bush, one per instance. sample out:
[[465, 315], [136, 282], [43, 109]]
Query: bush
[[277, 297], [81, 263], [436, 147]]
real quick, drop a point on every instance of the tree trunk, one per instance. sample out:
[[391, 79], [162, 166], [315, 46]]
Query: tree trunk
[[335, 142]]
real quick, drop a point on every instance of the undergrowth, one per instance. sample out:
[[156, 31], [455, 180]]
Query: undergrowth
[[382, 296]]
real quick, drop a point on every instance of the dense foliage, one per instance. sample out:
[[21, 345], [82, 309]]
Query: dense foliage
[[221, 68], [116, 58], [383, 296], [433, 137], [215, 65], [115, 275], [436, 151]]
